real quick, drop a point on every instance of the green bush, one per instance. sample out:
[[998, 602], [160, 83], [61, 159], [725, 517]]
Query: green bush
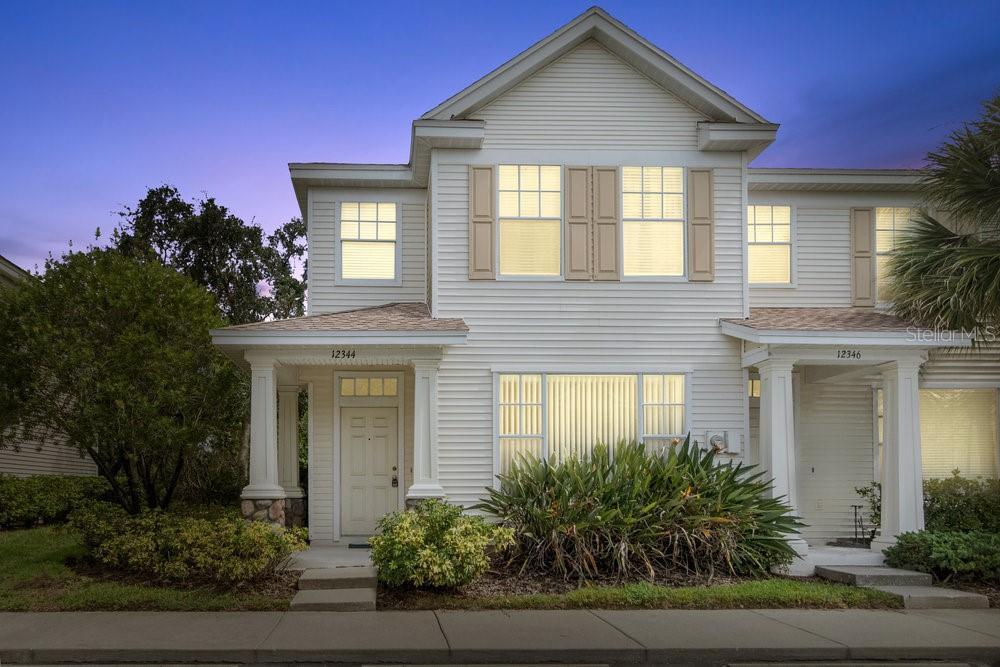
[[948, 555], [225, 550], [960, 504], [634, 513], [434, 545], [27, 501]]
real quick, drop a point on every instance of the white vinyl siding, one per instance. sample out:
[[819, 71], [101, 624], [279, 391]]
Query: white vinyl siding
[[958, 431], [769, 237], [530, 214], [889, 223], [589, 98], [571, 327], [325, 294], [44, 456], [653, 221]]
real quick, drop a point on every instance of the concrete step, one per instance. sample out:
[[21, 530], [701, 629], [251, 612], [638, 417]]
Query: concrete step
[[863, 575], [362, 576], [342, 599], [935, 597]]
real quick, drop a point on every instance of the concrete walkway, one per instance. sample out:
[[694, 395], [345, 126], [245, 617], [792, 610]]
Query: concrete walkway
[[456, 637]]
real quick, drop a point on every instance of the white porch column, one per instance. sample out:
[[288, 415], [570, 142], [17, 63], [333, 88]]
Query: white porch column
[[263, 434], [425, 436], [288, 440], [777, 434], [902, 478]]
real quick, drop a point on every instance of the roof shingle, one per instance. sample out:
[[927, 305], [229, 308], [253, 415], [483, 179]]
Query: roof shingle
[[821, 319], [388, 317]]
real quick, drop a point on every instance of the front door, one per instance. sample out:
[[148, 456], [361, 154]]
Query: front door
[[368, 466]]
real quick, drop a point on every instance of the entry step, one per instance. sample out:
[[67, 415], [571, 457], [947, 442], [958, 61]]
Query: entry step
[[863, 575], [342, 599], [360, 576], [935, 597]]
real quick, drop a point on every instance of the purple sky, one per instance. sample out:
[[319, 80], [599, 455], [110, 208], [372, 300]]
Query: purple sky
[[101, 100]]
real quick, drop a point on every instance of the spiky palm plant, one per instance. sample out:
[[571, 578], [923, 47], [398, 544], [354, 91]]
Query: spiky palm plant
[[946, 267]]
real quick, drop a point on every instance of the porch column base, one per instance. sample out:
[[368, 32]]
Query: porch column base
[[882, 542], [802, 565], [419, 492], [264, 509]]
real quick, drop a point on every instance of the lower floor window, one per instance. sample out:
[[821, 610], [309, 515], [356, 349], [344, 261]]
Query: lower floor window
[[958, 431], [562, 416]]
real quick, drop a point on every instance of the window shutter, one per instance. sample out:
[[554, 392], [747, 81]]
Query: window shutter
[[607, 217], [482, 223], [578, 220], [701, 226], [862, 257]]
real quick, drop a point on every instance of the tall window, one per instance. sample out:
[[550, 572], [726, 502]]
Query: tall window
[[653, 221], [530, 219], [958, 431], [889, 223], [564, 416], [368, 241], [769, 238]]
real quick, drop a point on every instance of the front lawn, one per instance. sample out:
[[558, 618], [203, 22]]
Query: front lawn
[[769, 593], [35, 576]]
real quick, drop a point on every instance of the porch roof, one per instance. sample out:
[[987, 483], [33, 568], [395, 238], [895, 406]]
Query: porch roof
[[836, 325], [391, 323]]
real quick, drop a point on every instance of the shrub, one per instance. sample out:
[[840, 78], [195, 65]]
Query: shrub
[[948, 555], [225, 550], [434, 545], [634, 513], [27, 501], [961, 504]]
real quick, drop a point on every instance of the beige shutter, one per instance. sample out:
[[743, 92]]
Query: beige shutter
[[701, 226], [578, 217], [482, 223], [862, 257], [607, 227]]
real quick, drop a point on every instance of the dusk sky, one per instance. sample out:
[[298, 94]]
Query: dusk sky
[[102, 100]]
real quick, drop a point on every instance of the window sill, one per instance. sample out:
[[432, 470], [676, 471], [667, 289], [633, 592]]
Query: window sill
[[348, 282], [772, 285]]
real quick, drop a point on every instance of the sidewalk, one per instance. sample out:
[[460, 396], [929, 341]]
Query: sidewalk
[[461, 637]]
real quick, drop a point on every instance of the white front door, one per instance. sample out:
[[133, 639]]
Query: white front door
[[368, 442]]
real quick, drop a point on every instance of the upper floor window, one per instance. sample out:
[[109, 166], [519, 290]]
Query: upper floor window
[[369, 249], [653, 221], [530, 198], [769, 239], [889, 222]]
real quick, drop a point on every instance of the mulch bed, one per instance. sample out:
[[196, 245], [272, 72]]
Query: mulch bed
[[991, 591]]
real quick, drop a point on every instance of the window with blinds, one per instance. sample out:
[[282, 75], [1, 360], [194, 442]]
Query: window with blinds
[[889, 224], [530, 218], [769, 240], [958, 431], [561, 416], [653, 221], [368, 241]]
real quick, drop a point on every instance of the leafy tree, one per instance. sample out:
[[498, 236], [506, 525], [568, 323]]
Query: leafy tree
[[251, 276], [946, 267], [115, 355]]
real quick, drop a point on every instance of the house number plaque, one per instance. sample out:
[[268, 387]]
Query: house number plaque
[[848, 354], [344, 354]]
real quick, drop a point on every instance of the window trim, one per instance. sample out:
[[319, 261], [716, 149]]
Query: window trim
[[504, 277], [339, 278], [682, 277], [497, 371], [793, 253]]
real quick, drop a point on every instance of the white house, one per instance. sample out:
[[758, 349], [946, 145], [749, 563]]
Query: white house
[[577, 252]]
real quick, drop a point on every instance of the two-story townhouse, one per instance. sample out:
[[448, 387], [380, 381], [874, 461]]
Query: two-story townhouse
[[577, 252]]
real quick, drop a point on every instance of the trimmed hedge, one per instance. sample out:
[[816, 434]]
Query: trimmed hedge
[[959, 504], [973, 556], [224, 551], [45, 499]]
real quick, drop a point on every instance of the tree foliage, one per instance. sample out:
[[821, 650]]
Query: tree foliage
[[251, 276], [115, 355], [946, 266]]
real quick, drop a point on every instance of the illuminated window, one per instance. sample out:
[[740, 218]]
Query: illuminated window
[[368, 241], [769, 238], [530, 220], [889, 223], [958, 431], [369, 386], [653, 221], [565, 416]]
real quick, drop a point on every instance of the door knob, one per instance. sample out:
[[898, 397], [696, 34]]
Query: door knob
[[395, 481]]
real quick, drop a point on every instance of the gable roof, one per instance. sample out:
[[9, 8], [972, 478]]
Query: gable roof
[[653, 62], [11, 273]]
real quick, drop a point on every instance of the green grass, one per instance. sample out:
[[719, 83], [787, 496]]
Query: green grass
[[34, 577], [759, 594]]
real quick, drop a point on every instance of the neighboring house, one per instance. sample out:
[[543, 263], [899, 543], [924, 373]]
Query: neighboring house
[[40, 454], [578, 252]]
